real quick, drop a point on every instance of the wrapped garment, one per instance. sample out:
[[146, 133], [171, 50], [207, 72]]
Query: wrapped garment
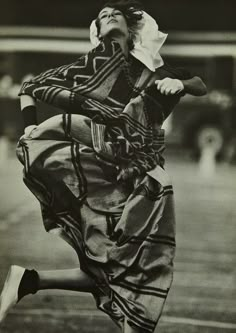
[[98, 173]]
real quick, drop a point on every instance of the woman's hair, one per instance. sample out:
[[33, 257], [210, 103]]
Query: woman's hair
[[132, 11]]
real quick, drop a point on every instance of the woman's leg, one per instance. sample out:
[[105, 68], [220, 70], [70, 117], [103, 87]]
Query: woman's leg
[[68, 279], [21, 282]]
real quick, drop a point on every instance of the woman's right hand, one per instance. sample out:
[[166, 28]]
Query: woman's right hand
[[29, 129], [27, 132]]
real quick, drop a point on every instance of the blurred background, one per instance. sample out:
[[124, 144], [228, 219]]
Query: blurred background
[[201, 157]]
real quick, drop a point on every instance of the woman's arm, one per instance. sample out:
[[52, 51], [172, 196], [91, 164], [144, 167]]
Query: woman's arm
[[26, 100], [193, 86], [164, 95], [28, 110]]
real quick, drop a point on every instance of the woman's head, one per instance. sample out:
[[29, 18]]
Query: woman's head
[[119, 18]]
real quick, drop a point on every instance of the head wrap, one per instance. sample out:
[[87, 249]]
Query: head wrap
[[147, 43]]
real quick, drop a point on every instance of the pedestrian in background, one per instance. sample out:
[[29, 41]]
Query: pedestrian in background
[[98, 169]]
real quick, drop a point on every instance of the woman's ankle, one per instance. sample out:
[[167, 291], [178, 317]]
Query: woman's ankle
[[29, 283]]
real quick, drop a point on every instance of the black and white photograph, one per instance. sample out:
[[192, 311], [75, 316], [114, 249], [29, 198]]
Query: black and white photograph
[[118, 166]]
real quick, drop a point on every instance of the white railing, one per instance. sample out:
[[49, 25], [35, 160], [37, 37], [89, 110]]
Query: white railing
[[76, 40]]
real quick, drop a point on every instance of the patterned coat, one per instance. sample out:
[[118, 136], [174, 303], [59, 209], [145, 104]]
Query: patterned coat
[[98, 173]]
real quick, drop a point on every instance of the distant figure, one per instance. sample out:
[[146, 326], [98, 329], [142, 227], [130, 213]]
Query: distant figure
[[98, 169], [8, 88], [6, 83], [4, 150], [210, 143]]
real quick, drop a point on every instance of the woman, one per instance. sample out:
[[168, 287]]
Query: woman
[[98, 169]]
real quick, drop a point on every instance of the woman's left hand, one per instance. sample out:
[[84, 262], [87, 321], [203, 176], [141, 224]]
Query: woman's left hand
[[27, 132], [169, 86]]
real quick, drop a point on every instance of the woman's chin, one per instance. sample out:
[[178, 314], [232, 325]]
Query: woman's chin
[[115, 32]]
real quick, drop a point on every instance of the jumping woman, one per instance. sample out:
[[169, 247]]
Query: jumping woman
[[98, 169]]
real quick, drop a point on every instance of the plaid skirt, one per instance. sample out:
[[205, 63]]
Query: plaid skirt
[[123, 233]]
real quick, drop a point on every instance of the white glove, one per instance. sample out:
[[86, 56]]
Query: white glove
[[28, 130], [169, 86]]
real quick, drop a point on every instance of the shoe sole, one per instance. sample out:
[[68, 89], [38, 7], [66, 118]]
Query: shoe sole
[[9, 295]]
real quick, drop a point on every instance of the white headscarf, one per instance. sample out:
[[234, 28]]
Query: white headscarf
[[147, 43]]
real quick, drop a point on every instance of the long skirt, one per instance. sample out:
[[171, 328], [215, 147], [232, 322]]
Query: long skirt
[[123, 232]]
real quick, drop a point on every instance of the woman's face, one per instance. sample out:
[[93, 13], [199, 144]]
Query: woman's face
[[112, 21]]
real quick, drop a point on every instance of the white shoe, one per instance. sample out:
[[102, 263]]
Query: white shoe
[[9, 296]]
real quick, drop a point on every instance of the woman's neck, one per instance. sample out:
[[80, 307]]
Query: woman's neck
[[123, 41], [124, 46]]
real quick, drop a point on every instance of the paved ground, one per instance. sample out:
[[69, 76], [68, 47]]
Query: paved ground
[[203, 296]]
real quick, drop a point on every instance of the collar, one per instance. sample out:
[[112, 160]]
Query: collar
[[147, 43]]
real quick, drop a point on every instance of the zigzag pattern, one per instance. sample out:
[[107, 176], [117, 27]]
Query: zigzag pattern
[[82, 76], [101, 77]]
